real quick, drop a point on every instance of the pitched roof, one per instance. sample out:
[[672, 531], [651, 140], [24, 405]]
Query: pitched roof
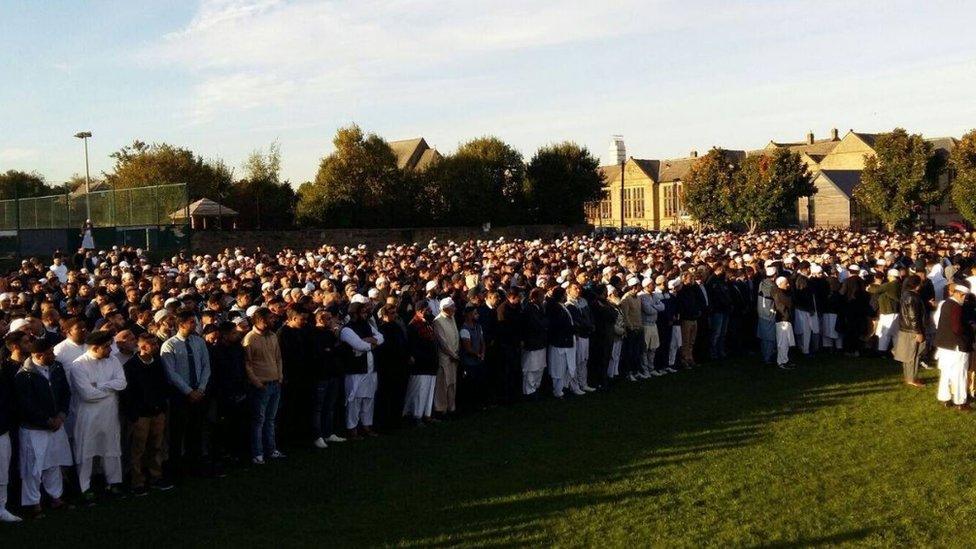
[[610, 172], [820, 147], [675, 168], [203, 208], [845, 180], [650, 167], [427, 158], [98, 185], [869, 138], [408, 151], [943, 143]]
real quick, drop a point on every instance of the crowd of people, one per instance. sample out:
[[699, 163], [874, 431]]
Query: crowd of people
[[140, 373]]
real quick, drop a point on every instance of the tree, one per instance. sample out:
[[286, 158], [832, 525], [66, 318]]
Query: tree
[[14, 184], [505, 182], [766, 189], [963, 165], [460, 191], [141, 165], [707, 193], [560, 179], [261, 198], [901, 180], [358, 185]]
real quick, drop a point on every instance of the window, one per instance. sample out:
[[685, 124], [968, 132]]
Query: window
[[634, 202], [673, 205]]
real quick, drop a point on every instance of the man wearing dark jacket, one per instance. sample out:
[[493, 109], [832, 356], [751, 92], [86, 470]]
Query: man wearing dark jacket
[[326, 378], [144, 407], [43, 396], [229, 389], [954, 340], [534, 335], [562, 344], [691, 306], [783, 307], [910, 342], [295, 401], [7, 408]]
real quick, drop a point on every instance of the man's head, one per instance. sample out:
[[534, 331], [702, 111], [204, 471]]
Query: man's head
[[99, 344], [125, 341], [76, 330], [147, 344], [296, 318], [42, 352], [262, 319], [187, 323]]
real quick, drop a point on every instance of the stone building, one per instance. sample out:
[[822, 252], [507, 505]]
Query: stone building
[[652, 197]]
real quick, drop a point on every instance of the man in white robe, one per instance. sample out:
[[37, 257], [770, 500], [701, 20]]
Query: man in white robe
[[448, 357], [362, 337], [954, 341], [43, 395], [96, 381]]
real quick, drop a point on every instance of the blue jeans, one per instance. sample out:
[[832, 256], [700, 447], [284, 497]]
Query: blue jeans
[[719, 324], [264, 409]]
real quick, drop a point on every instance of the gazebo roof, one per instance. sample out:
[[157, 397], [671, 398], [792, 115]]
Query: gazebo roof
[[204, 208]]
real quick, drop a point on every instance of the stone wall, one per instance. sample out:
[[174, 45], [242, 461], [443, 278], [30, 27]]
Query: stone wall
[[217, 240]]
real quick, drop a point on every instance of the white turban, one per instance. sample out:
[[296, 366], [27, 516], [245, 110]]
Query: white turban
[[359, 298], [446, 303], [780, 280], [432, 285], [770, 271]]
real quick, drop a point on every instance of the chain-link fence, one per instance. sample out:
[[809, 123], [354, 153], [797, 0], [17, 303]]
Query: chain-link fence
[[111, 208]]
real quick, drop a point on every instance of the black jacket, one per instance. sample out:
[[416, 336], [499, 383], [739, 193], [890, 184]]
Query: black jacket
[[422, 349], [561, 331], [228, 377], [294, 352], [953, 332], [146, 389], [783, 305], [323, 343], [582, 320], [40, 399], [534, 327], [691, 303], [912, 312]]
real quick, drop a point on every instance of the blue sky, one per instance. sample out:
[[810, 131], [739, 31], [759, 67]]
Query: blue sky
[[224, 77]]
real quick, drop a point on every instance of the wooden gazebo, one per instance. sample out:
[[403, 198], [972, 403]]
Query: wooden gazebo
[[206, 214]]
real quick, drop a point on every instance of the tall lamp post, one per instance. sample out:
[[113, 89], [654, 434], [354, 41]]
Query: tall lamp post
[[84, 137], [623, 168]]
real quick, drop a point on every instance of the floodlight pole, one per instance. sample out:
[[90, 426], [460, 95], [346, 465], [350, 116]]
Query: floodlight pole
[[84, 137], [623, 166]]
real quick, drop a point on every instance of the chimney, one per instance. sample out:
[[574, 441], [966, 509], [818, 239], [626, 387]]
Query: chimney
[[810, 138], [834, 135], [694, 154]]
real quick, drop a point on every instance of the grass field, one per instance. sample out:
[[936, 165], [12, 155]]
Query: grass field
[[836, 452]]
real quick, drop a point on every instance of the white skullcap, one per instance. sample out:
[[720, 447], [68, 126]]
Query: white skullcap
[[633, 281], [673, 283], [770, 271], [432, 285], [373, 293], [854, 268], [446, 303], [780, 280], [610, 289], [893, 272], [266, 286], [250, 311], [18, 324], [160, 315], [816, 269], [359, 298], [171, 301], [746, 257], [647, 282], [880, 262]]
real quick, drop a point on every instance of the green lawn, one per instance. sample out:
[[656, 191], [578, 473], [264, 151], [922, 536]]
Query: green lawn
[[731, 455]]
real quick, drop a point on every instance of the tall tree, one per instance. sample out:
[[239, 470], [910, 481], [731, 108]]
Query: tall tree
[[901, 180], [460, 191], [261, 198], [358, 185], [708, 191], [963, 166], [16, 183], [505, 169], [560, 179], [766, 189], [141, 165]]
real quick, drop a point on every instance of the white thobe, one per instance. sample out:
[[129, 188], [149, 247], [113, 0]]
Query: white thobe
[[95, 384], [67, 352], [953, 371], [360, 388], [784, 340], [42, 454]]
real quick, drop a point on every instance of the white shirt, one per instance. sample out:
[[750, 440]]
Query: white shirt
[[96, 384]]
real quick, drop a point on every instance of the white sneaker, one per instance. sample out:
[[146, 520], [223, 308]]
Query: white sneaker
[[335, 438], [319, 443], [277, 455], [671, 371], [258, 460], [644, 375], [630, 377], [7, 516], [578, 392], [657, 373], [589, 389]]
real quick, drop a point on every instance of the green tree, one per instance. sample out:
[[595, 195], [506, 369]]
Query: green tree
[[901, 181], [708, 191], [141, 165], [963, 166], [16, 183], [505, 169], [767, 188], [459, 191], [358, 185], [261, 198], [560, 179]]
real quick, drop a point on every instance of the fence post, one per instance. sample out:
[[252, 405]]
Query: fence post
[[17, 215]]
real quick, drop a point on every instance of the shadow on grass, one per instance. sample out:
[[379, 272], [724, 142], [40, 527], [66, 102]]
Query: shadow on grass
[[499, 478]]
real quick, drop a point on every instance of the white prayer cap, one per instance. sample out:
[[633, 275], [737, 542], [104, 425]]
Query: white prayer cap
[[853, 268], [880, 262], [171, 301], [647, 282], [607, 270], [816, 269], [540, 281], [18, 324], [432, 285], [611, 290], [633, 281], [673, 283], [160, 315], [359, 298], [373, 293], [250, 311], [446, 303], [780, 280], [746, 257], [266, 286], [893, 273], [565, 273], [770, 271]]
